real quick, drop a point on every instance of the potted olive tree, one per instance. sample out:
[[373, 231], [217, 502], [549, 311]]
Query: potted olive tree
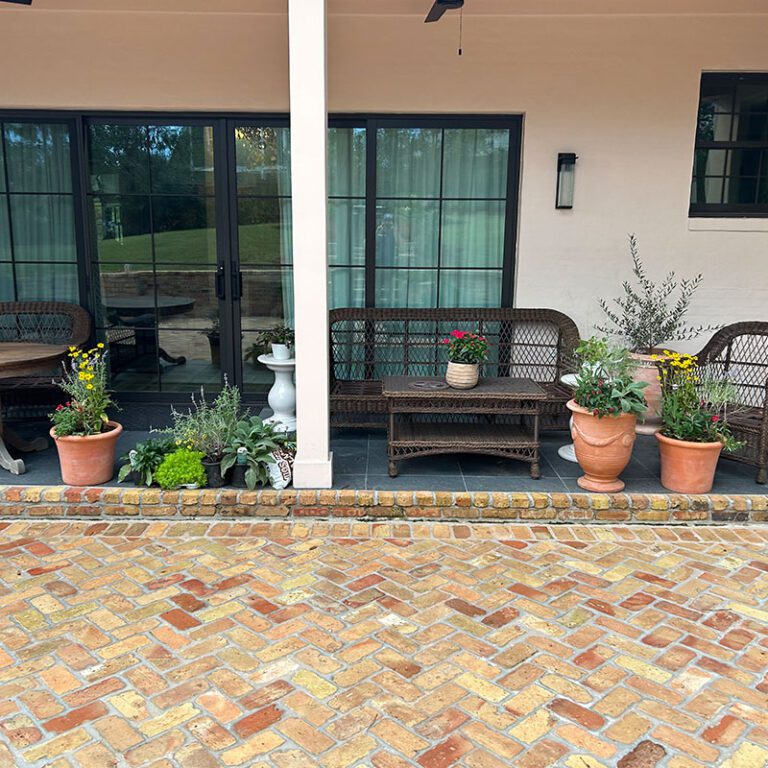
[[646, 317], [606, 403], [695, 408], [85, 437]]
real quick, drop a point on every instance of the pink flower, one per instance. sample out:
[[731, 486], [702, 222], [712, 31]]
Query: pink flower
[[446, 341], [458, 334], [715, 418], [59, 407]]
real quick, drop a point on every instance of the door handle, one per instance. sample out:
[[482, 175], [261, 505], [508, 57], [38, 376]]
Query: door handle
[[237, 285], [220, 282]]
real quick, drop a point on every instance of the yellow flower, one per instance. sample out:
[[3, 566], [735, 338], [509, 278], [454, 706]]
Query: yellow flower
[[81, 376], [73, 349], [100, 345], [89, 386]]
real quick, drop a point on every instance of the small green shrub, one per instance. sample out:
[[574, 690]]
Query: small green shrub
[[144, 459], [182, 467]]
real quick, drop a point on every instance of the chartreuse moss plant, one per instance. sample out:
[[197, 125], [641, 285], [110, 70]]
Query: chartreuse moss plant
[[182, 467]]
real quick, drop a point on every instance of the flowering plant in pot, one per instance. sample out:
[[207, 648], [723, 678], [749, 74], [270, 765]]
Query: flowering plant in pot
[[85, 437], [646, 317], [695, 408], [281, 338], [606, 403], [466, 351]]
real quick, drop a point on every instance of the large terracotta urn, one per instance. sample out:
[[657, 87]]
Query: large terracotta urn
[[647, 371], [88, 460], [603, 447], [687, 467], [462, 375]]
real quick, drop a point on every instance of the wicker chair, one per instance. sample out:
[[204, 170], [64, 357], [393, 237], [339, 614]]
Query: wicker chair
[[366, 344], [42, 322], [740, 352]]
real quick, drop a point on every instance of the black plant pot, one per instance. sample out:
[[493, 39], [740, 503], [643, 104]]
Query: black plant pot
[[237, 478], [213, 474]]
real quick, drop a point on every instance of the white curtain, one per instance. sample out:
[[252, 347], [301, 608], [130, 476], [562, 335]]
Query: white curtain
[[41, 212]]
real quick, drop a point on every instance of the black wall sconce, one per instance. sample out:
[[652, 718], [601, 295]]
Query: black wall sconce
[[566, 176]]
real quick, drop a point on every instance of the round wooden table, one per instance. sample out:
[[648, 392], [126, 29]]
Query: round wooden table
[[18, 360]]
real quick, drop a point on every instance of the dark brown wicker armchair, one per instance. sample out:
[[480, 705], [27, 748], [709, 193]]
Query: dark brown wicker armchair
[[44, 322], [740, 352], [366, 344]]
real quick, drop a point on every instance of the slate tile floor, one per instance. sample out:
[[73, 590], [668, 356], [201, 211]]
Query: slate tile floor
[[360, 463]]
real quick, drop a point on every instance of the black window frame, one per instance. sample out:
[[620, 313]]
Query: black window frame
[[729, 80]]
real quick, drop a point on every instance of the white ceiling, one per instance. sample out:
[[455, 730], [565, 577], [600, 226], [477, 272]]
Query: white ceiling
[[417, 8]]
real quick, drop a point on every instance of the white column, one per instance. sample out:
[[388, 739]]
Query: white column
[[309, 121]]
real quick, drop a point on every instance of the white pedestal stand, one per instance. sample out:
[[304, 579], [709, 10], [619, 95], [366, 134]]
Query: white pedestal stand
[[567, 452], [282, 396]]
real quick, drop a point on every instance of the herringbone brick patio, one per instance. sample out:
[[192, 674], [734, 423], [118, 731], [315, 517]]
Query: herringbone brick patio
[[200, 645]]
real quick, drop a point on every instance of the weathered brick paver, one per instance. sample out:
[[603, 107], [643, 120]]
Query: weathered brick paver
[[384, 644]]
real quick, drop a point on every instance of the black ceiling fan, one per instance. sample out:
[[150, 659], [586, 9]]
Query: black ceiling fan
[[19, 2], [440, 7]]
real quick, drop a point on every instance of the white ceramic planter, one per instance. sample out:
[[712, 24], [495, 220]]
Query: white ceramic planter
[[281, 351], [462, 375]]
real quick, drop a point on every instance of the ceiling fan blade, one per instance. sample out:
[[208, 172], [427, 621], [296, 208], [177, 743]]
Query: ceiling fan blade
[[20, 2], [436, 12]]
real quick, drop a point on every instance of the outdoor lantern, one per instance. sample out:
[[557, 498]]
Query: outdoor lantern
[[566, 173]]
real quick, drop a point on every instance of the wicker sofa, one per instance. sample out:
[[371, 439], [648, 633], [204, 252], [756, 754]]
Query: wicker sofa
[[366, 344], [740, 352]]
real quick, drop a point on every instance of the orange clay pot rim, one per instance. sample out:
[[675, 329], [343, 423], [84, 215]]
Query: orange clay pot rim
[[687, 443], [117, 428], [576, 408]]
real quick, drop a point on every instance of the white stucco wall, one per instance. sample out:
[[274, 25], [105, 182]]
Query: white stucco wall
[[619, 90]]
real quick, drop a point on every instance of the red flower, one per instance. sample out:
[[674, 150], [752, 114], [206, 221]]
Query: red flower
[[458, 334], [59, 407], [715, 418], [446, 341], [594, 413]]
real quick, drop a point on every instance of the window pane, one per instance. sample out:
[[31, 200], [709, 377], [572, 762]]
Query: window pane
[[406, 288], [752, 97], [5, 230], [185, 229], [472, 234], [46, 282], [181, 159], [122, 230], [346, 287], [470, 288], [717, 94], [6, 282], [263, 160], [475, 162], [408, 162], [711, 162], [267, 297], [265, 231], [346, 162], [43, 228], [119, 158], [200, 369], [708, 189], [346, 232], [188, 294], [407, 234], [2, 165], [713, 126], [38, 157]]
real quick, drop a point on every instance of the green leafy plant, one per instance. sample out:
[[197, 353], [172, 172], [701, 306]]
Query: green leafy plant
[[182, 467], [694, 406], [277, 334], [466, 347], [604, 383], [85, 380], [208, 427], [648, 315], [256, 440], [144, 459]]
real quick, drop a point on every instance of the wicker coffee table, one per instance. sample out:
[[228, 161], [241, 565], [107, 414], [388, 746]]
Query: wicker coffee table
[[426, 417]]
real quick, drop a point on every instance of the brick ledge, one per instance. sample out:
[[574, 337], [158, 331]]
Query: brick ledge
[[68, 502]]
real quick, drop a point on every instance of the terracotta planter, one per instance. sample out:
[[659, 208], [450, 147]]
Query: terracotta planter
[[462, 375], [87, 460], [603, 447], [650, 422], [687, 467]]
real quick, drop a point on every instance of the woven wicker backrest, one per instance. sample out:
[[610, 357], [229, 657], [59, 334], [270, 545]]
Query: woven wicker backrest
[[44, 322], [370, 343], [740, 352]]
